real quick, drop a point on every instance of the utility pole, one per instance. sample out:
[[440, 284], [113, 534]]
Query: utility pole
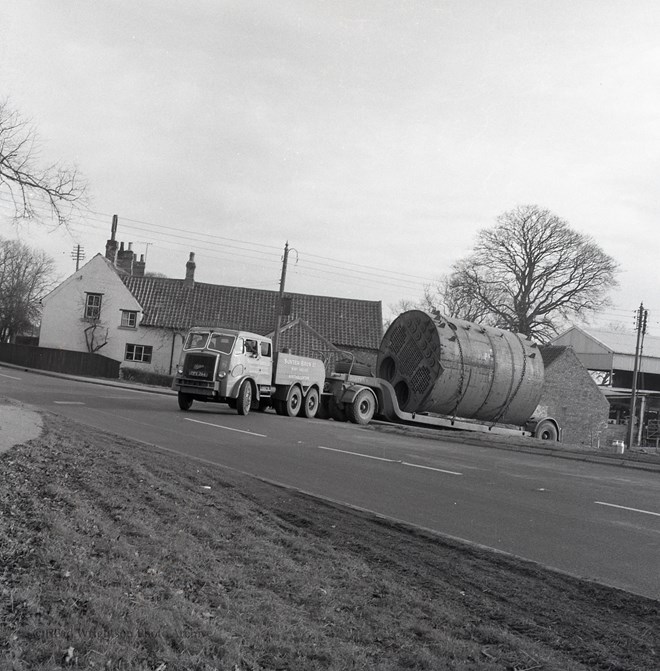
[[641, 317], [278, 320], [78, 254]]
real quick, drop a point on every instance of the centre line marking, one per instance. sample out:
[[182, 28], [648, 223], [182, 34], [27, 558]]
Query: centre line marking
[[228, 428], [391, 461], [635, 510], [11, 377], [69, 402]]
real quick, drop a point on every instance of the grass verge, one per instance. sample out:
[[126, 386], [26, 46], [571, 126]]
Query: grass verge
[[115, 555]]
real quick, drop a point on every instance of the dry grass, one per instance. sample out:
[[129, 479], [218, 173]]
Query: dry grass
[[115, 555]]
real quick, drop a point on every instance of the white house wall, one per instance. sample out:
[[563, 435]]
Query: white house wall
[[63, 320]]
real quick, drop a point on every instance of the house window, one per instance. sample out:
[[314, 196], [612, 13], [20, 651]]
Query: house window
[[129, 319], [93, 306], [139, 353]]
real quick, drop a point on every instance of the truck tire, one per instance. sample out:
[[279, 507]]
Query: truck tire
[[185, 401], [294, 401], [280, 406], [361, 410], [311, 404], [355, 368], [244, 400], [546, 430]]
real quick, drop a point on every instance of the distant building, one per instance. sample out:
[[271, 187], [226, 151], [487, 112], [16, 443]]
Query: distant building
[[571, 396], [610, 358], [110, 307]]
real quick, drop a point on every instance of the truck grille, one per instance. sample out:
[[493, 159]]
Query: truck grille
[[199, 367]]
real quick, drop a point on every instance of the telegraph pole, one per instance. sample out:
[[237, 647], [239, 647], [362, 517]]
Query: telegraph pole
[[78, 254], [642, 316], [278, 321]]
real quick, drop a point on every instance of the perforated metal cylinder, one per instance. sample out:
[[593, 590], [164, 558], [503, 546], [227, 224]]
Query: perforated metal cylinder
[[453, 367]]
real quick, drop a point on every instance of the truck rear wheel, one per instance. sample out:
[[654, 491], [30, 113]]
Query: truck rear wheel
[[244, 400], [546, 430], [311, 404], [185, 401], [361, 410], [294, 401]]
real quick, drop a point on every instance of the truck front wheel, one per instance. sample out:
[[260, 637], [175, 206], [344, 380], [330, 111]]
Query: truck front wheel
[[311, 404], [244, 400], [361, 410], [294, 401], [185, 401]]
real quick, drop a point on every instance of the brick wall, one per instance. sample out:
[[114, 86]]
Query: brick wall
[[574, 400]]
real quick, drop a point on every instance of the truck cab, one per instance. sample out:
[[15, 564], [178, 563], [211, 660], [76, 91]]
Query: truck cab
[[224, 366]]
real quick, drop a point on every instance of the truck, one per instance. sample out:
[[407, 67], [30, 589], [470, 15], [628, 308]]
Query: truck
[[238, 368], [430, 371]]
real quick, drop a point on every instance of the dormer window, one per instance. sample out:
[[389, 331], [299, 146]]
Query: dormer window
[[93, 306], [129, 319]]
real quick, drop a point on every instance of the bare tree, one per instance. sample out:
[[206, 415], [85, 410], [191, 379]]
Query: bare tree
[[530, 274], [30, 187], [26, 276]]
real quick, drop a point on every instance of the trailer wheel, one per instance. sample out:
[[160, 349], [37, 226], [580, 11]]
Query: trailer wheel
[[185, 401], [294, 401], [546, 430], [311, 404], [361, 410], [244, 400]]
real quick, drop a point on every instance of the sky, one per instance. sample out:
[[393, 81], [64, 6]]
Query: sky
[[376, 137]]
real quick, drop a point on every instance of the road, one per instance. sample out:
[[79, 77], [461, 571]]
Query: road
[[596, 521]]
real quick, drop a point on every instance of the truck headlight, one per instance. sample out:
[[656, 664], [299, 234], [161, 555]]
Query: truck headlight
[[222, 374], [179, 370]]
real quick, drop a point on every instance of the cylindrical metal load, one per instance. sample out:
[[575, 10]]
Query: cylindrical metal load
[[457, 368]]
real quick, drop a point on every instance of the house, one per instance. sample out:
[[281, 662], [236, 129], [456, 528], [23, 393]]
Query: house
[[610, 358], [110, 307], [571, 396]]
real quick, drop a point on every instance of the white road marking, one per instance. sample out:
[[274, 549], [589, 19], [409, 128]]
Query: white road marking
[[11, 377], [635, 510], [69, 402], [228, 428], [391, 461]]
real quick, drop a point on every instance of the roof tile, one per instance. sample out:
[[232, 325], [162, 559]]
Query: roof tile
[[167, 303]]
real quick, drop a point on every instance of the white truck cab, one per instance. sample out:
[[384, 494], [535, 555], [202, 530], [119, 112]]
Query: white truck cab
[[238, 368]]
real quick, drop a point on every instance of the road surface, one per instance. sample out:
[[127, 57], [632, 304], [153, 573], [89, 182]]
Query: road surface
[[596, 521]]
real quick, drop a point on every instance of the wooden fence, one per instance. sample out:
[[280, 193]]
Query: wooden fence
[[60, 360]]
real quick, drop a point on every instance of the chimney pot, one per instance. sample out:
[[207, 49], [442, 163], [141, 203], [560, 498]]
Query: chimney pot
[[190, 272]]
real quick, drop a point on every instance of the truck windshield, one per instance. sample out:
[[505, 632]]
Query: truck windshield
[[222, 342], [196, 340]]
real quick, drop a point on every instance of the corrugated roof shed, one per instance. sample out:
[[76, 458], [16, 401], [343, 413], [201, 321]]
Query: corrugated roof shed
[[625, 343], [168, 303]]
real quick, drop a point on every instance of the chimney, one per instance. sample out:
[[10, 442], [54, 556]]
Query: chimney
[[190, 272], [111, 245], [125, 258], [138, 267]]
